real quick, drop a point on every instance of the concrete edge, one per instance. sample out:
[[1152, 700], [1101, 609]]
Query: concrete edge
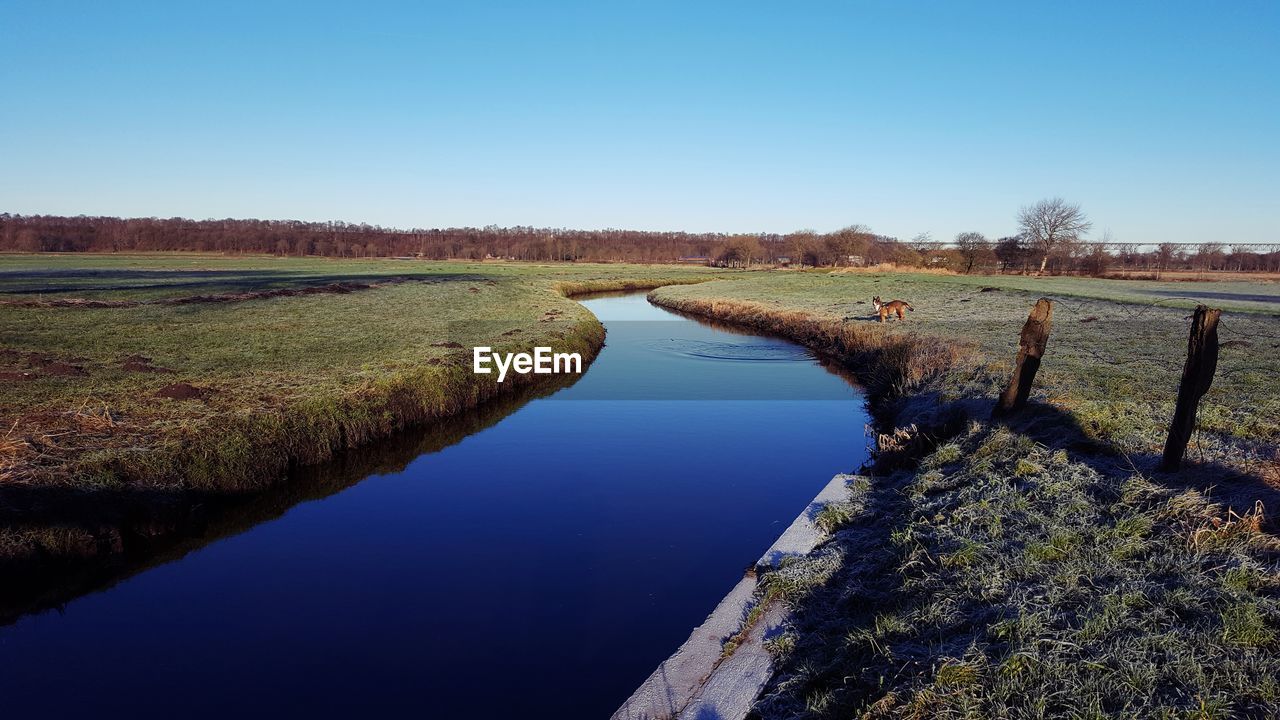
[[698, 681]]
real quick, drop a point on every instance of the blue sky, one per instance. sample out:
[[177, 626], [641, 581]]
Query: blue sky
[[1161, 119]]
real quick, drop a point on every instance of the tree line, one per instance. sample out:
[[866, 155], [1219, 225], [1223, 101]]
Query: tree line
[[1050, 240]]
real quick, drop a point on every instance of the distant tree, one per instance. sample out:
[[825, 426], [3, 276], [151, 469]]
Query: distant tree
[[1095, 257], [1051, 226], [1165, 255], [972, 247], [846, 243], [51, 233], [805, 247], [924, 243], [1012, 252], [740, 251], [1211, 255]]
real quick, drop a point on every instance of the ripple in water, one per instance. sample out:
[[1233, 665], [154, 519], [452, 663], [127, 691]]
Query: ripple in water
[[753, 352]]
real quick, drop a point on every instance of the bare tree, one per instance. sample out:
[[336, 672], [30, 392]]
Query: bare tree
[[846, 245], [1052, 225], [740, 251], [1211, 255], [1165, 255], [924, 243], [805, 247], [1094, 257], [972, 245]]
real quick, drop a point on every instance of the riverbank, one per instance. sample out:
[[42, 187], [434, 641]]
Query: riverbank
[[144, 395], [1036, 567]]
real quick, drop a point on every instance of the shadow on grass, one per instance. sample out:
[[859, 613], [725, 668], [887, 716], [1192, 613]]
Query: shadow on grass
[[1208, 295], [856, 637], [1224, 484], [68, 281], [57, 544]]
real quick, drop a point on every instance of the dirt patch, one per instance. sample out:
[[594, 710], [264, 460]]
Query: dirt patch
[[449, 344], [140, 364], [64, 369], [17, 375], [52, 366], [182, 391]]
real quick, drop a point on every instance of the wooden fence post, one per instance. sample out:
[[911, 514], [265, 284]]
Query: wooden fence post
[[1197, 376], [1035, 335]]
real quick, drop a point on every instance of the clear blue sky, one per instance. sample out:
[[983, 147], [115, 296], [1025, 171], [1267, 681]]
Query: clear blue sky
[[1161, 119]]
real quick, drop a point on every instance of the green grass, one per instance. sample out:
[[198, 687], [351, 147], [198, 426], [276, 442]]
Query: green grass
[[1113, 367], [1089, 599], [288, 378]]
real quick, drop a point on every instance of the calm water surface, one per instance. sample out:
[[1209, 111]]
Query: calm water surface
[[540, 567]]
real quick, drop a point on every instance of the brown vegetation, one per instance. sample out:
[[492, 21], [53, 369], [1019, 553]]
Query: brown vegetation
[[1050, 243]]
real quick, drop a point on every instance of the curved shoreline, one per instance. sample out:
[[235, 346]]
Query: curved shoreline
[[888, 366], [60, 541]]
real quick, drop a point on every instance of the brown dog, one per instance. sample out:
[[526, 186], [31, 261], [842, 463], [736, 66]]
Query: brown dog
[[893, 306]]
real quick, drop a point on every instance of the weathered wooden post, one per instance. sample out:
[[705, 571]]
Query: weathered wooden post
[[1035, 335], [1197, 376]]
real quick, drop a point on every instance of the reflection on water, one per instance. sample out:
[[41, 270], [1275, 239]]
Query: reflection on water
[[156, 529], [539, 566]]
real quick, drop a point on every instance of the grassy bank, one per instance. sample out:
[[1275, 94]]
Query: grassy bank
[[224, 371], [1038, 567], [136, 388], [88, 541]]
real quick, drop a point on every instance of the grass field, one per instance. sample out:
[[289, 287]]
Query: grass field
[[1036, 567], [260, 379], [1112, 365]]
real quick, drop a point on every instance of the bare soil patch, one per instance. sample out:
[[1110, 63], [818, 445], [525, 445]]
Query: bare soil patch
[[50, 365], [140, 364]]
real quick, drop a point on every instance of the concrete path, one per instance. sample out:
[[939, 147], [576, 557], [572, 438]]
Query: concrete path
[[698, 682]]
